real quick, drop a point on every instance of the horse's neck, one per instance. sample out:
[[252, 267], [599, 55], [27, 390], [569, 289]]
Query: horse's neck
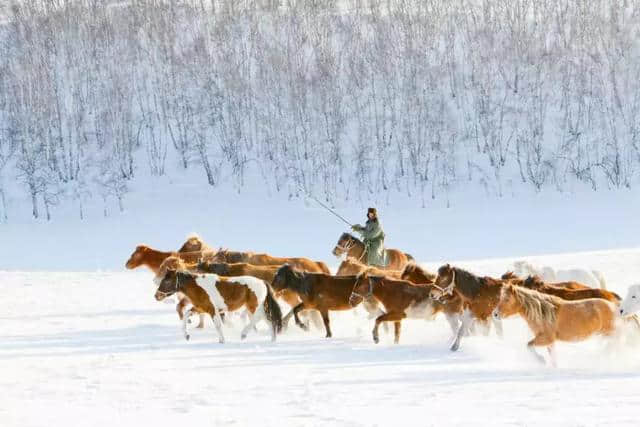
[[356, 250], [467, 284], [154, 259]]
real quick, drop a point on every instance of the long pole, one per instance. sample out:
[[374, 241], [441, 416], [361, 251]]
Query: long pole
[[326, 207]]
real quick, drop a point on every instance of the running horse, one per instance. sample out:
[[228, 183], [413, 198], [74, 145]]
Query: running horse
[[317, 291], [401, 299], [353, 247], [551, 318]]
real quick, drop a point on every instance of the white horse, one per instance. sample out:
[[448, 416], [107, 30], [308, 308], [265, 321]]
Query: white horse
[[592, 278], [631, 303]]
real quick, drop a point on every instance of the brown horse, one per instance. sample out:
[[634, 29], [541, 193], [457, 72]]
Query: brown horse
[[400, 298], [318, 291], [536, 284], [354, 248], [479, 294], [212, 294], [303, 264], [551, 318]]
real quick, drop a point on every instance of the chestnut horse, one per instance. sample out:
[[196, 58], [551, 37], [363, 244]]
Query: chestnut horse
[[264, 272], [480, 296], [536, 284], [354, 248], [551, 318], [318, 291], [400, 298], [212, 294], [509, 275], [303, 264]]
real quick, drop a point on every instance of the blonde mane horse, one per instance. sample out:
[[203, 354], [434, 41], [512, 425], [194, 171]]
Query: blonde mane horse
[[551, 318]]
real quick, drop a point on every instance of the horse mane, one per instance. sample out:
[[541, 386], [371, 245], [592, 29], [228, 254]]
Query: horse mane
[[297, 281], [538, 307], [509, 275], [350, 237], [413, 267], [470, 278], [533, 282]]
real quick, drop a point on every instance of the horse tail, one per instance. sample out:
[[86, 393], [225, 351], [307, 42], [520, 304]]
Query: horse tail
[[272, 310], [600, 277], [410, 257]]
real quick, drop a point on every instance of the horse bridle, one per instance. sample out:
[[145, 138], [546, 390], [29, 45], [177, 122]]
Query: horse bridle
[[368, 295], [166, 294], [351, 242], [447, 290]]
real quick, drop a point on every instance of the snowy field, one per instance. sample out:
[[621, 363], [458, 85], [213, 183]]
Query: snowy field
[[95, 349]]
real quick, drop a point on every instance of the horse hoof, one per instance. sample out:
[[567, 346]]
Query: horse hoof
[[186, 337], [454, 347], [376, 340], [243, 336]]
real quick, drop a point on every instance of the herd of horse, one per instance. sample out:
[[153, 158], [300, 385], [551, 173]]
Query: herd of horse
[[217, 282]]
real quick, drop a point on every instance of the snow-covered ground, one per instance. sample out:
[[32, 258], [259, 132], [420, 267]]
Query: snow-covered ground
[[96, 349]]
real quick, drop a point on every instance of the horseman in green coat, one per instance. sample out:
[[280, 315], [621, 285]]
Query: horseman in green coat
[[373, 237]]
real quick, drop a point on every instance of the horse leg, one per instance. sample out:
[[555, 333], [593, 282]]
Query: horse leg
[[388, 317], [180, 307], [327, 326], [253, 319], [539, 340], [185, 320], [454, 321], [552, 355], [397, 325], [295, 312], [201, 322], [497, 324], [217, 321], [467, 320]]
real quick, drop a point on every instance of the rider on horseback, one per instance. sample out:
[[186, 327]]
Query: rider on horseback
[[373, 237]]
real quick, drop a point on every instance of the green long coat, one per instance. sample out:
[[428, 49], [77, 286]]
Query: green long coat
[[373, 237]]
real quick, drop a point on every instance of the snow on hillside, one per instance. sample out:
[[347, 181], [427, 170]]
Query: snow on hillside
[[96, 349]]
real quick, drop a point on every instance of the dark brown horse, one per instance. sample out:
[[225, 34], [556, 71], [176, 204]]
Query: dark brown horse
[[353, 247], [400, 298], [480, 296], [303, 264], [214, 295], [318, 291]]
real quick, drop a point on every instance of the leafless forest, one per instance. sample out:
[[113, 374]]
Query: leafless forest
[[342, 98]]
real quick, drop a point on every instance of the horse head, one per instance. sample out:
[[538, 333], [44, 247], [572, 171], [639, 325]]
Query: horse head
[[344, 245], [631, 302], [137, 258]]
